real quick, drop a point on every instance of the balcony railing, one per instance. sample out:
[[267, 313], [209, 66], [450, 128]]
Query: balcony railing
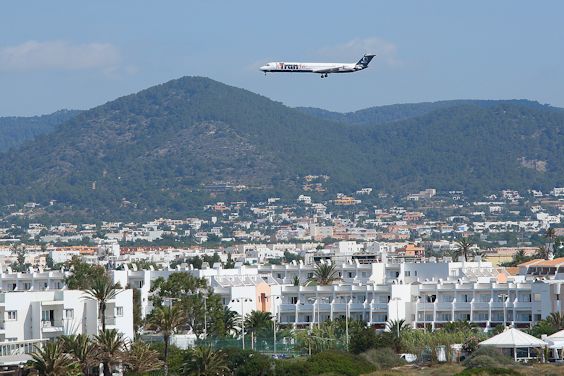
[[20, 347]]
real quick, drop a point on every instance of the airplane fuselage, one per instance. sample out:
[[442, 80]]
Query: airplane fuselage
[[279, 66], [320, 68]]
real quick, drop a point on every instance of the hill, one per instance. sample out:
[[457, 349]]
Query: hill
[[15, 130], [397, 112], [169, 148]]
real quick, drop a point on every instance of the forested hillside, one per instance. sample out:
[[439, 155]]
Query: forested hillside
[[15, 130], [159, 151]]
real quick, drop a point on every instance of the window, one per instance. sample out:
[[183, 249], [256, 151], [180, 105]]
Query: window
[[69, 313], [27, 286], [294, 300], [537, 297], [119, 311], [12, 315], [407, 273], [415, 273]]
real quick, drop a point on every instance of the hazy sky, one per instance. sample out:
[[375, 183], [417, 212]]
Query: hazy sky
[[79, 54]]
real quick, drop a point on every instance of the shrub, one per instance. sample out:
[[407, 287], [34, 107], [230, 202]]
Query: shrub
[[481, 361], [341, 363], [362, 340], [248, 362], [491, 352], [489, 372], [292, 367], [383, 358]]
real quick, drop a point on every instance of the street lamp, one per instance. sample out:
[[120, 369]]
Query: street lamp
[[347, 314], [242, 300], [277, 297]]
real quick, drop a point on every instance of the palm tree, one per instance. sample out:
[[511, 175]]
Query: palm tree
[[111, 348], [203, 361], [543, 252], [231, 321], [51, 360], [141, 358], [324, 274], [257, 321], [463, 248], [167, 320], [103, 290], [296, 281], [556, 319], [550, 236], [82, 349], [395, 330]]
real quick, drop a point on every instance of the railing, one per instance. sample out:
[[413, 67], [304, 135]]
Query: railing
[[20, 347]]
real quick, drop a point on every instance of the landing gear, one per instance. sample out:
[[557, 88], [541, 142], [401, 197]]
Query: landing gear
[[324, 75]]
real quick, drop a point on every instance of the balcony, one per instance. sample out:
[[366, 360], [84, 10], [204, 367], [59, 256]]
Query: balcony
[[481, 306], [51, 326], [444, 306], [19, 347], [462, 306], [380, 307]]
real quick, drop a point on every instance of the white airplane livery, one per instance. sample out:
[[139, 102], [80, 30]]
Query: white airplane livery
[[320, 68]]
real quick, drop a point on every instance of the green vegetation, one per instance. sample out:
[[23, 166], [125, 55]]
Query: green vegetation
[[163, 150], [15, 130]]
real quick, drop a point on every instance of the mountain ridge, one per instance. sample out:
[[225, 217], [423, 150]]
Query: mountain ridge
[[161, 149]]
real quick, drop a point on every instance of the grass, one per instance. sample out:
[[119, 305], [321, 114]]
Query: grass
[[453, 369]]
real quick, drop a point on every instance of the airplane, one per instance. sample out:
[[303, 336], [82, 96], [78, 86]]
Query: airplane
[[321, 68]]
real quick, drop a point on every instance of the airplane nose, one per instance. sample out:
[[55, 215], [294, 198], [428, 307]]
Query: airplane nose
[[264, 67]]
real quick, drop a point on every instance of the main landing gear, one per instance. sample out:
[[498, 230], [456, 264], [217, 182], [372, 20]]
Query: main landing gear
[[324, 75]]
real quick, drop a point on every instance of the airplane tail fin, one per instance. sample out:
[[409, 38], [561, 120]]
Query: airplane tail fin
[[365, 60]]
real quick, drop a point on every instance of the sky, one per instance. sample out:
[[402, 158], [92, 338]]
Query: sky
[[80, 54]]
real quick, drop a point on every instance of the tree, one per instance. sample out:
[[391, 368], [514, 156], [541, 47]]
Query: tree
[[324, 274], [203, 361], [166, 320], [83, 274], [256, 322], [395, 329], [111, 348], [51, 360], [189, 292], [362, 340], [543, 252], [459, 326], [231, 321], [229, 264], [103, 290], [464, 248], [19, 265], [82, 349], [556, 319], [296, 280], [141, 358], [550, 237]]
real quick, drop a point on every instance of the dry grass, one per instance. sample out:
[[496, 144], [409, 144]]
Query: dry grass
[[453, 369]]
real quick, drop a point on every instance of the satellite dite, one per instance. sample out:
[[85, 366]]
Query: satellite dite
[[320, 68]]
